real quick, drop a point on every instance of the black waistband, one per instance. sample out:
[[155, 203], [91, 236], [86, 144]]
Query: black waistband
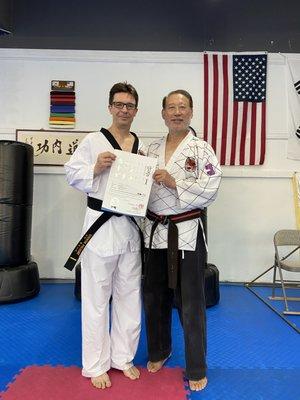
[[176, 218], [94, 204], [171, 220]]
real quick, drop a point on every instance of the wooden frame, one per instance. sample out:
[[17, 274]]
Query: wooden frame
[[51, 147]]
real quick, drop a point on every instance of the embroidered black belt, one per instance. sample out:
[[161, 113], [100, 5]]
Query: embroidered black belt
[[94, 204], [171, 221]]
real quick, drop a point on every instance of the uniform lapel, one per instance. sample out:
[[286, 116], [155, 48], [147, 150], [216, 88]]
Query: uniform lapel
[[162, 154], [175, 156], [116, 145]]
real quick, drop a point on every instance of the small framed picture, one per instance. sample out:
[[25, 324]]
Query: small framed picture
[[63, 86], [51, 147]]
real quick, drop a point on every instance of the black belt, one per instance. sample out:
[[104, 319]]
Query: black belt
[[94, 204], [171, 220]]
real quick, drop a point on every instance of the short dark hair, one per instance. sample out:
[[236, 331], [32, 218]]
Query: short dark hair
[[123, 87], [178, 91]]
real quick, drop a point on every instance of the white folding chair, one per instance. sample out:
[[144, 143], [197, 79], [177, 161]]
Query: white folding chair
[[283, 240]]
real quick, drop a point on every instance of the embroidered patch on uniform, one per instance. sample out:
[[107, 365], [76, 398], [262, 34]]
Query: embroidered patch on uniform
[[209, 168], [190, 164]]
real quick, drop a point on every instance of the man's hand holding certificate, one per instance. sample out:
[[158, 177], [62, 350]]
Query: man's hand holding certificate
[[129, 184]]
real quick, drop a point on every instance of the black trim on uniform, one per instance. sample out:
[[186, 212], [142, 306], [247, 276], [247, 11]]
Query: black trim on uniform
[[111, 139], [96, 204]]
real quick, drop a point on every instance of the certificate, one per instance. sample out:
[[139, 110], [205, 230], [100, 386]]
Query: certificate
[[129, 184]]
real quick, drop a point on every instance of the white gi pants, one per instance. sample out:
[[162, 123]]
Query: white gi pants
[[118, 276]]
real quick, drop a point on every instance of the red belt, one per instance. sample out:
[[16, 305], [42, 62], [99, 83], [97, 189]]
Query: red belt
[[171, 220]]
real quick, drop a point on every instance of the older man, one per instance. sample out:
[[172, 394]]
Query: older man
[[186, 181]]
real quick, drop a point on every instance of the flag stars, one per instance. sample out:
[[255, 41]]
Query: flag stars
[[249, 77]]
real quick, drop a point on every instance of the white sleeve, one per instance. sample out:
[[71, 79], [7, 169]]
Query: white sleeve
[[201, 191], [80, 168]]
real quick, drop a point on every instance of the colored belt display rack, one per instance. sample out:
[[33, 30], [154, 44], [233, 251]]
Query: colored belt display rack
[[62, 105], [171, 220]]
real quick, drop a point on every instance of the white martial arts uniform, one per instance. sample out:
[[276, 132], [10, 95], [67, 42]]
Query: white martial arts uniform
[[197, 173], [110, 266]]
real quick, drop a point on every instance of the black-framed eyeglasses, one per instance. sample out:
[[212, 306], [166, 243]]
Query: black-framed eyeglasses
[[120, 105]]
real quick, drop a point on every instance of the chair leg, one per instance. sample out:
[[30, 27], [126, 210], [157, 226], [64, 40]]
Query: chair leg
[[274, 278], [291, 312], [283, 288]]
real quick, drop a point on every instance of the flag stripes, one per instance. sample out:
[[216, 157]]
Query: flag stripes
[[235, 129]]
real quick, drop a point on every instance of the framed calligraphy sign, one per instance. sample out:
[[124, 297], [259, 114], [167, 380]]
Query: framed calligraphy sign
[[51, 147]]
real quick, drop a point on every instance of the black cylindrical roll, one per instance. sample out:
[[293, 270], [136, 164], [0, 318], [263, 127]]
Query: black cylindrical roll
[[16, 192], [16, 172], [19, 283], [15, 234]]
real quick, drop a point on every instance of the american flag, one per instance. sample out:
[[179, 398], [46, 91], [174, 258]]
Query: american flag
[[235, 107]]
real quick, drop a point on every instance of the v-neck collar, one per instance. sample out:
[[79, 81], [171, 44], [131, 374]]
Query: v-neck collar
[[175, 154], [112, 140]]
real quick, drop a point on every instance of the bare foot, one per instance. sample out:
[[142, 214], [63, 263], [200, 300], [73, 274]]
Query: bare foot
[[132, 373], [101, 381], [154, 366], [198, 385]]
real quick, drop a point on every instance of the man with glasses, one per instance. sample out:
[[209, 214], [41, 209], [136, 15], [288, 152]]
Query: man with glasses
[[111, 260], [186, 181]]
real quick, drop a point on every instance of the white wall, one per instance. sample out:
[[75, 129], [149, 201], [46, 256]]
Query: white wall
[[253, 202]]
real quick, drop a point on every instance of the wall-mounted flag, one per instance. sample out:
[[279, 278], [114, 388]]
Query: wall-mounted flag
[[235, 106]]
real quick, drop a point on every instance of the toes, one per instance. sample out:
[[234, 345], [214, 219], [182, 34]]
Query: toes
[[153, 367], [156, 366], [132, 373], [203, 383], [101, 382], [150, 367], [198, 385], [108, 383], [136, 372], [97, 384]]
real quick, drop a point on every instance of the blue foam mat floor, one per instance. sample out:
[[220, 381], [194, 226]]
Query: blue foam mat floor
[[264, 293], [252, 353]]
